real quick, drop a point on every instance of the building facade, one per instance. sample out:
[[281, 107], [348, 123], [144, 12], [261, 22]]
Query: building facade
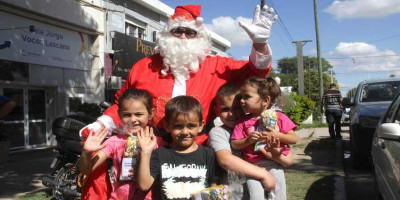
[[57, 54]]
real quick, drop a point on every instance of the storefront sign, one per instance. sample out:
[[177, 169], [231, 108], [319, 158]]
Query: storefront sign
[[127, 51], [45, 44]]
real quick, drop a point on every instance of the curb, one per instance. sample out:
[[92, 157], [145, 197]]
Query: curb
[[340, 190]]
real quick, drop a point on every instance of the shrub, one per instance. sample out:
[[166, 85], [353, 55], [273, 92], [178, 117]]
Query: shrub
[[302, 109]]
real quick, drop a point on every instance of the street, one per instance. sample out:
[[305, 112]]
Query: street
[[359, 184]]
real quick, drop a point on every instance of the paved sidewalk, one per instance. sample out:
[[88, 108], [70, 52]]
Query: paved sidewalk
[[316, 152], [23, 171]]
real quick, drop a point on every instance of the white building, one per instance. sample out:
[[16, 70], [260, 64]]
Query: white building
[[57, 54]]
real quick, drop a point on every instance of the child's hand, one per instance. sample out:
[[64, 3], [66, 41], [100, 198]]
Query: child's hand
[[254, 136], [132, 173], [274, 146], [271, 131], [147, 139], [94, 140]]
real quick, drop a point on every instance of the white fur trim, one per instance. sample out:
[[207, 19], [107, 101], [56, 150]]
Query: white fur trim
[[108, 123], [259, 60], [199, 21], [95, 126], [277, 80], [182, 23]]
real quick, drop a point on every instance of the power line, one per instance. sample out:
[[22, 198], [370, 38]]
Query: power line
[[372, 41], [352, 57], [280, 20]]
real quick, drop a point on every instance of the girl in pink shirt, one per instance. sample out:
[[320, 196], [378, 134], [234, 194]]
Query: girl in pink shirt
[[258, 96], [135, 111]]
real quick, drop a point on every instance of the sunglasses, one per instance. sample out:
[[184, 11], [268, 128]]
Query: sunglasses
[[190, 33]]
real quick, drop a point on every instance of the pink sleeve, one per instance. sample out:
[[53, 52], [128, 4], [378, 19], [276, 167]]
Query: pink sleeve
[[285, 124], [238, 132], [110, 146]]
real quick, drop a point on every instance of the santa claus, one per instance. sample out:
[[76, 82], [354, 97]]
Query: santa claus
[[183, 65]]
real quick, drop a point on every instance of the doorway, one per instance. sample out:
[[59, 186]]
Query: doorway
[[26, 126]]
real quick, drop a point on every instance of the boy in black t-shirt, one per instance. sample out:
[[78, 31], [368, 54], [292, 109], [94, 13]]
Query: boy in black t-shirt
[[184, 167]]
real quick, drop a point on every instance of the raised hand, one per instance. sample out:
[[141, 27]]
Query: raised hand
[[95, 139], [260, 29], [147, 139]]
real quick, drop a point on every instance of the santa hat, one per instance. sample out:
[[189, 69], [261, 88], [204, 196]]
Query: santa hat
[[187, 16]]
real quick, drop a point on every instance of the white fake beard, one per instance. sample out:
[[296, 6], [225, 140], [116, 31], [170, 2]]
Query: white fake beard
[[182, 56]]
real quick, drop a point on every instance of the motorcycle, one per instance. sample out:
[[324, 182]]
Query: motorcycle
[[65, 178]]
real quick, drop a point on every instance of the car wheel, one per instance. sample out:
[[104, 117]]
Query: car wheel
[[357, 160]]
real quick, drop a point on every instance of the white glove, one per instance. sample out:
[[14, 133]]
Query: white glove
[[260, 29]]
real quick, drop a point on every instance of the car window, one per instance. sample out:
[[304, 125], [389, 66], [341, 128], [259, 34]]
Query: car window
[[397, 119], [393, 110], [381, 91]]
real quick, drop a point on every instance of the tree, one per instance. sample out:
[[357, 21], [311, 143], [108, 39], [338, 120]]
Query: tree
[[311, 83], [289, 65], [351, 92]]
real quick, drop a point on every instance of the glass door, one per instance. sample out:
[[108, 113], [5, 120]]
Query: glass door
[[26, 125], [13, 123], [36, 116]]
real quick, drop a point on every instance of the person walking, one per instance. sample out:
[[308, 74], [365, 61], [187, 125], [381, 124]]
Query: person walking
[[332, 100]]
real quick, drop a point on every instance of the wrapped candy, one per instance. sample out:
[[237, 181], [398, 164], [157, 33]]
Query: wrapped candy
[[219, 192], [267, 118], [130, 158]]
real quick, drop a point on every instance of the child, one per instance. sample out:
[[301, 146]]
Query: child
[[135, 111], [228, 109], [184, 167], [258, 95]]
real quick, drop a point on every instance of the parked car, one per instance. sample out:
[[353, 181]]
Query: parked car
[[386, 153], [346, 116], [371, 100]]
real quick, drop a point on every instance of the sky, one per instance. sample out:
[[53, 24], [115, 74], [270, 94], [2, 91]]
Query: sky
[[360, 38]]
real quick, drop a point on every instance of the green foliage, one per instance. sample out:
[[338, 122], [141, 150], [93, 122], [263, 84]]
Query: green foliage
[[90, 109], [311, 83], [302, 109], [352, 92], [289, 65]]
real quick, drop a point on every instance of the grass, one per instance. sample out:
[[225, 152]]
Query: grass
[[41, 195], [313, 125], [310, 186]]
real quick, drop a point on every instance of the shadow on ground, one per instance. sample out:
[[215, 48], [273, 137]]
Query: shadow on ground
[[23, 171], [317, 155], [322, 189]]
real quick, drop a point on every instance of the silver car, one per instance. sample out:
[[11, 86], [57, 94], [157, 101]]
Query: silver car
[[386, 152]]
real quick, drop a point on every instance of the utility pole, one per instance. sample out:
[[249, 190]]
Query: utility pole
[[262, 3], [300, 67], [321, 84]]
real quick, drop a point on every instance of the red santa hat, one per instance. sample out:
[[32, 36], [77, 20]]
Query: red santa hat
[[188, 16]]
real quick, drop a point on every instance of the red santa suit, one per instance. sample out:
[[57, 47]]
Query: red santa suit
[[148, 74], [202, 85]]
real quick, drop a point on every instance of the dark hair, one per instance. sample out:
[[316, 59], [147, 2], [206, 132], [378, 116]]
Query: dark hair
[[182, 105], [137, 94], [332, 85], [265, 87], [227, 90]]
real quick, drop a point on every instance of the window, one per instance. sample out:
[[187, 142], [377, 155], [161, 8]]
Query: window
[[14, 71], [135, 28], [381, 91]]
